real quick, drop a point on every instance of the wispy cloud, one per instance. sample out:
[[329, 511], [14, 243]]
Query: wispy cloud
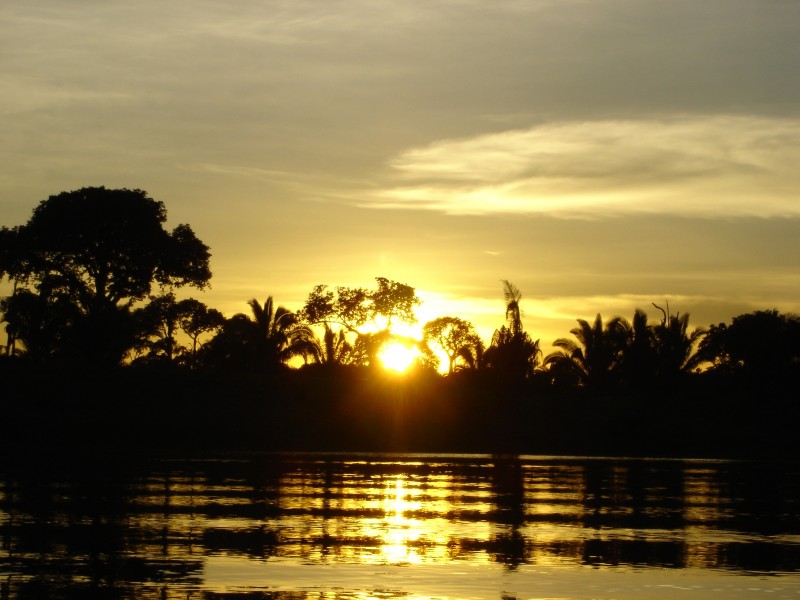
[[706, 166], [238, 171]]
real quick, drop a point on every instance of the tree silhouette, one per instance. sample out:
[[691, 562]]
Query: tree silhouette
[[196, 319], [160, 324], [512, 296], [365, 314], [101, 250], [514, 356], [763, 344], [164, 316], [675, 346], [456, 337], [639, 358], [333, 348], [474, 354], [594, 357], [279, 336], [40, 322], [236, 346], [512, 352]]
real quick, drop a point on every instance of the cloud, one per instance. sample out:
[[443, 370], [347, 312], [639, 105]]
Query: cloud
[[703, 166]]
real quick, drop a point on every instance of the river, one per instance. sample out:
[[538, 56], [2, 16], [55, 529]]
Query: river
[[362, 526]]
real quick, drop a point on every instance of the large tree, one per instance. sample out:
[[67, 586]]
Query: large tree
[[101, 250], [366, 314], [764, 344], [456, 337]]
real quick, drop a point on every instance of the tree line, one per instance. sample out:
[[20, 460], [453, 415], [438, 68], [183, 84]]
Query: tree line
[[94, 276]]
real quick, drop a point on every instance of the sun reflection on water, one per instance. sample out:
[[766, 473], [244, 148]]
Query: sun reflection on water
[[366, 529], [403, 530]]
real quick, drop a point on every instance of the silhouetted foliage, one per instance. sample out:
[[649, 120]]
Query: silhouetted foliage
[[639, 358], [235, 346], [512, 354], [512, 296], [456, 338], [333, 348], [761, 344], [474, 355], [639, 354], [280, 335], [352, 309], [165, 316], [594, 357], [99, 250], [196, 319], [160, 323], [83, 271], [41, 322], [266, 340], [675, 346]]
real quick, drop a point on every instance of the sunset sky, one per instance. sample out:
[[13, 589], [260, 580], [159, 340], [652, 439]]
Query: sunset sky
[[599, 154]]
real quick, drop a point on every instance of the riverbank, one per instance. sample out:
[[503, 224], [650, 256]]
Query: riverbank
[[163, 412]]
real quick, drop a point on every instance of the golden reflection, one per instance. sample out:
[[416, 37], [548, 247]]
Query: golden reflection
[[410, 512], [402, 531], [349, 529]]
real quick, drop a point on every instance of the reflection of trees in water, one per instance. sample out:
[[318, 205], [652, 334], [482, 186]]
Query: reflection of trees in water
[[509, 544], [623, 503], [89, 534], [129, 532]]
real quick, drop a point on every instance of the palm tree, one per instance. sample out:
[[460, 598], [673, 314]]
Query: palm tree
[[512, 351], [473, 354], [279, 335], [675, 346], [594, 357], [512, 296], [639, 357], [333, 349]]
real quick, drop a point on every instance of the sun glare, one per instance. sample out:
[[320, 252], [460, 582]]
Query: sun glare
[[398, 357]]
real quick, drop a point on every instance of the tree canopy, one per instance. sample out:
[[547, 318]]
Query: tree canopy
[[763, 343], [94, 274], [456, 338], [352, 308], [355, 309], [98, 251]]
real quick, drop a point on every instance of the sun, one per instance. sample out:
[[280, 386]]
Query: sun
[[398, 357]]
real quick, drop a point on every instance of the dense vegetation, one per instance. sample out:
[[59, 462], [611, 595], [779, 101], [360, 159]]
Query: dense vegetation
[[101, 353]]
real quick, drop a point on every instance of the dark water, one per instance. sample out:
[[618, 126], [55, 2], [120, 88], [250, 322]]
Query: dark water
[[383, 526]]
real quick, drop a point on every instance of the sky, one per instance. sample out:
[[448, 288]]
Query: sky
[[602, 155]]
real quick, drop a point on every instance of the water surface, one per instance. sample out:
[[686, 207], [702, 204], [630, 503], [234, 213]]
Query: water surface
[[389, 526]]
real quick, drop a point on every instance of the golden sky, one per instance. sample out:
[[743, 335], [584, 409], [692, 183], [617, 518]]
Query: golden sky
[[601, 155]]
